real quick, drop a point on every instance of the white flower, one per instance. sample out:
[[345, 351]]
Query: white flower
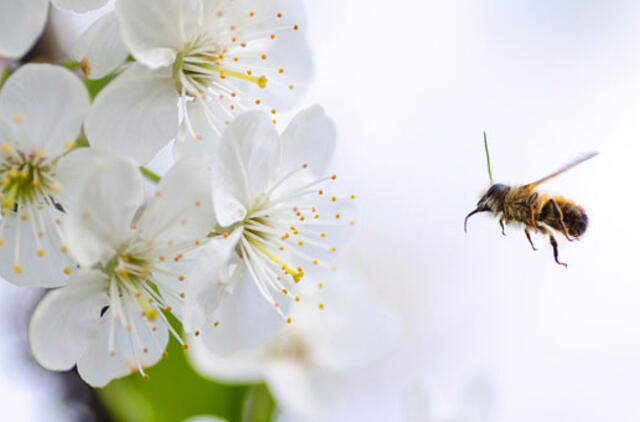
[[277, 224], [306, 364], [225, 56], [109, 319], [41, 112], [424, 404], [100, 49], [22, 21]]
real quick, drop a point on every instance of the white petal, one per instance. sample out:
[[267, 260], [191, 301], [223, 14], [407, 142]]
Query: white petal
[[100, 48], [306, 393], [290, 385], [246, 320], [100, 220], [358, 331], [66, 320], [246, 163], [309, 138], [207, 140], [241, 367], [180, 210], [136, 114], [155, 30], [49, 101], [210, 281], [79, 6], [37, 269], [21, 22], [97, 367]]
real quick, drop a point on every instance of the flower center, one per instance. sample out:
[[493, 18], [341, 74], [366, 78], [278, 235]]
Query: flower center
[[130, 273], [24, 179], [203, 64]]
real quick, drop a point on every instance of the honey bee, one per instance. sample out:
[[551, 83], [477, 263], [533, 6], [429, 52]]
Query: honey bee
[[535, 210]]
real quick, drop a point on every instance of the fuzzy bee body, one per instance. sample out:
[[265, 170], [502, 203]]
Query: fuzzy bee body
[[535, 210]]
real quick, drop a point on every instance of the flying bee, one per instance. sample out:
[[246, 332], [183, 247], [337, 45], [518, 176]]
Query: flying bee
[[535, 210]]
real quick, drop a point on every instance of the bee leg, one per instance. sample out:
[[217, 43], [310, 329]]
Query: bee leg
[[532, 210], [558, 213], [554, 244], [526, 232], [501, 221]]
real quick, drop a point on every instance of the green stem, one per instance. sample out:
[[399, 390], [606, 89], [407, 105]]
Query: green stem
[[5, 75], [258, 404], [486, 151], [150, 174], [70, 64]]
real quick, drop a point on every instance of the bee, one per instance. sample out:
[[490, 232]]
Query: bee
[[535, 210]]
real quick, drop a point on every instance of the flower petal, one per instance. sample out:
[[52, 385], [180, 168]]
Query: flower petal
[[100, 48], [21, 22], [207, 139], [210, 281], [65, 321], [246, 320], [100, 220], [41, 259], [49, 102], [136, 114], [97, 366], [309, 138], [79, 6], [155, 30], [245, 165], [241, 367], [180, 210]]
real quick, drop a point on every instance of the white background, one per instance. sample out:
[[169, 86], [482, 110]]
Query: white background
[[412, 85]]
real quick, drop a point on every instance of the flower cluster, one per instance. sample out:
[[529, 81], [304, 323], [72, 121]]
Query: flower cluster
[[230, 242]]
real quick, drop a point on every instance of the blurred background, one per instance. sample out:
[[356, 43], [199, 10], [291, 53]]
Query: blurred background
[[486, 321]]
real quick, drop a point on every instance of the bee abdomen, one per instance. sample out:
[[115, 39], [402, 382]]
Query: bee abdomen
[[574, 217]]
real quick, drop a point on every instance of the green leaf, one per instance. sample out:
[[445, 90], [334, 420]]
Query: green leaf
[[259, 405], [175, 391], [96, 85]]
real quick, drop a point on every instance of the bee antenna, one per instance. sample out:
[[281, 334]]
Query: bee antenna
[[486, 151]]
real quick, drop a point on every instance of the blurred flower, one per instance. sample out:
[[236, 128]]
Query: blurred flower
[[109, 320], [223, 56], [22, 21], [100, 49], [306, 364], [41, 112], [424, 405], [276, 224]]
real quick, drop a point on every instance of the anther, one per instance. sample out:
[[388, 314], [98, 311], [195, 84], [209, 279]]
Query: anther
[[17, 269], [40, 252]]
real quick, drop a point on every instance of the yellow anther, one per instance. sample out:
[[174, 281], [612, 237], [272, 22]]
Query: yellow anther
[[41, 252], [67, 270], [320, 285], [334, 199], [17, 269], [333, 250], [215, 324], [6, 148], [353, 196], [297, 298], [18, 118], [1, 241], [321, 306], [289, 320], [315, 262]]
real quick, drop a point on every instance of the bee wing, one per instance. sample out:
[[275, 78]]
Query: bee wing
[[564, 168]]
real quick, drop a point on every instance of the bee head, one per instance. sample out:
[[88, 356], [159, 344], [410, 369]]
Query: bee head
[[492, 200]]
